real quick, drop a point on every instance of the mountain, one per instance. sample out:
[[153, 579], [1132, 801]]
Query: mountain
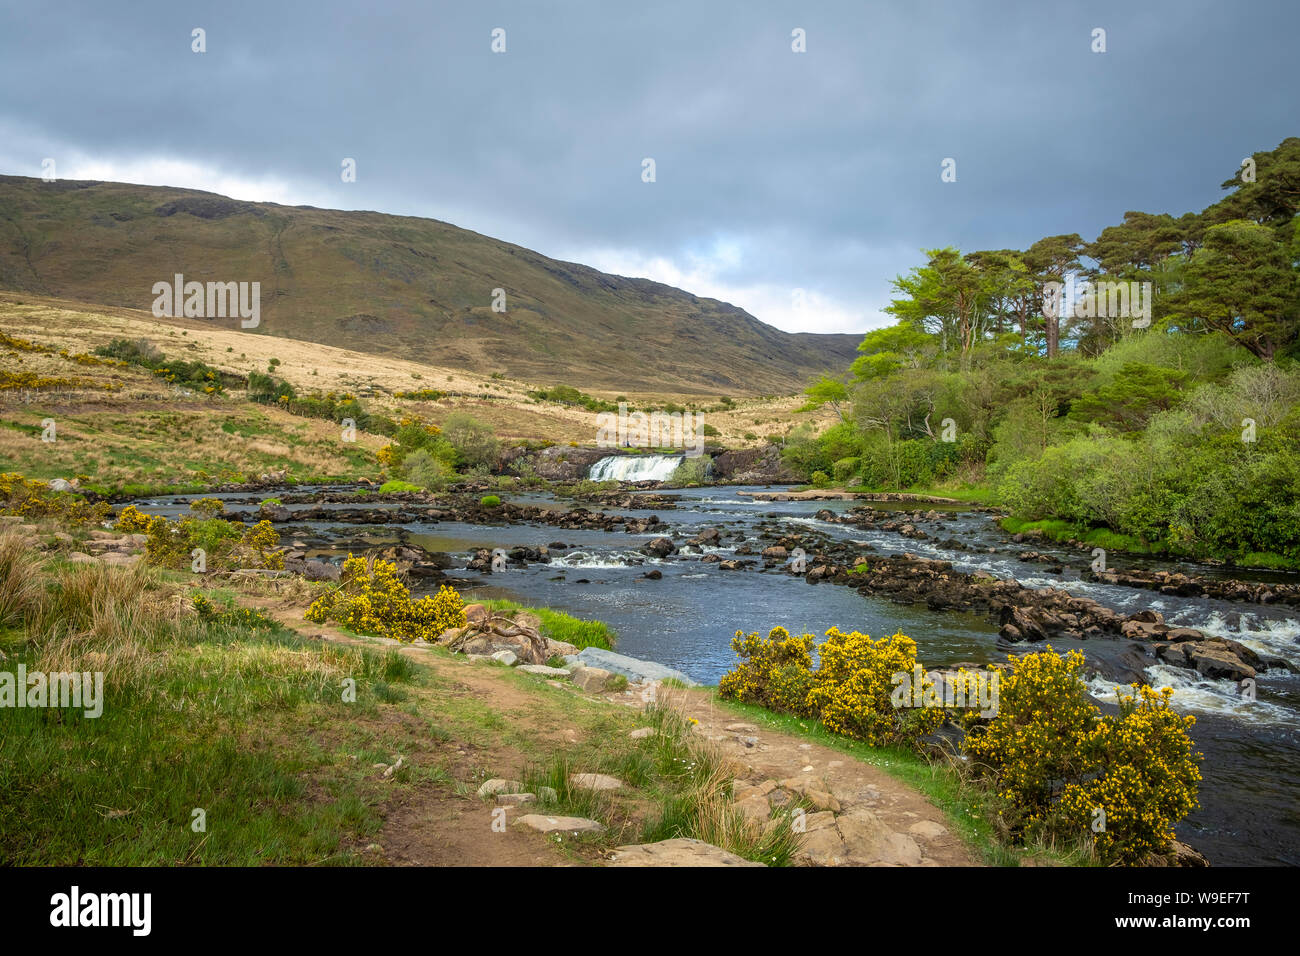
[[398, 285]]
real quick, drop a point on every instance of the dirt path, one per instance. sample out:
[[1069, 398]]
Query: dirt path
[[878, 820], [861, 815]]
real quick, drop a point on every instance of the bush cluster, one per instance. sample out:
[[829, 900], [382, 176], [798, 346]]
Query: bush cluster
[[1060, 767], [1064, 768], [32, 498], [371, 599]]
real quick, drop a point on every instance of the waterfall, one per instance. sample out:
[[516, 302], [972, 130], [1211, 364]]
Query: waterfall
[[635, 467]]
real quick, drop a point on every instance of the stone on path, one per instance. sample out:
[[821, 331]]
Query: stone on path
[[506, 657], [927, 829], [491, 788], [545, 824], [677, 852], [515, 799], [590, 678], [594, 781], [870, 841], [542, 669], [636, 671], [755, 807]]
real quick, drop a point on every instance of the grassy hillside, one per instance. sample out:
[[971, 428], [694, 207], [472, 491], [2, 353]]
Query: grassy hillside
[[123, 426], [397, 286]]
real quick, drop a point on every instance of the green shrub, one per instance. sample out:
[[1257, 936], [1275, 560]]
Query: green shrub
[[845, 470], [692, 471]]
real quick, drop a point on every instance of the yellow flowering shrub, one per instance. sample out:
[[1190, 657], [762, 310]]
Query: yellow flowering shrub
[[852, 689], [207, 507], [257, 548], [774, 672], [132, 520], [226, 545], [33, 498], [1064, 768], [1032, 744], [371, 599], [850, 693], [1145, 779]]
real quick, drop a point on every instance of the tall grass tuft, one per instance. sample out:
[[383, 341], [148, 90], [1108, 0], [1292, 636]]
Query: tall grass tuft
[[20, 581]]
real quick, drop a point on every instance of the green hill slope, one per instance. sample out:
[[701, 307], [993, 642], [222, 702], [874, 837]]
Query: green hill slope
[[399, 285]]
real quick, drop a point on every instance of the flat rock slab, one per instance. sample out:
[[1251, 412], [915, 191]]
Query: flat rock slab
[[594, 781], [554, 672], [927, 829], [678, 852], [545, 824], [491, 788], [592, 679], [856, 838], [869, 841], [634, 670]]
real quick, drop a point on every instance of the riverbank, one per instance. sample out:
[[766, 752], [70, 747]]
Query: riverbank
[[320, 746], [677, 589]]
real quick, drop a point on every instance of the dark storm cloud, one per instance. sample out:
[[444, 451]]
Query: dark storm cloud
[[775, 170]]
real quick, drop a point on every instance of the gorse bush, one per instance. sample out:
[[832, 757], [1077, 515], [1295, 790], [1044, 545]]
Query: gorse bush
[[371, 599], [207, 507], [849, 692], [225, 545], [132, 520], [194, 375], [1065, 769], [774, 672], [1060, 767], [34, 499]]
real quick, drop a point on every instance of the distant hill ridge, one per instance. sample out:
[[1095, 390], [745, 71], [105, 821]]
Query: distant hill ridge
[[400, 285]]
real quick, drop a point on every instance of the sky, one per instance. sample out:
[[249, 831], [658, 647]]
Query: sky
[[796, 185]]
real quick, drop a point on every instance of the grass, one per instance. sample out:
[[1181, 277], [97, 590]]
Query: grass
[[970, 494], [195, 717], [505, 405], [1056, 529], [559, 626], [675, 785]]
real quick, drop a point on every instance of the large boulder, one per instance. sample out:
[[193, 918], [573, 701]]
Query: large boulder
[[659, 547], [753, 466]]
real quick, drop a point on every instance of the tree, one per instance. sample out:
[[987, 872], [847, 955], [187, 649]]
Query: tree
[[473, 440], [886, 350], [1007, 288], [942, 297], [1137, 245], [826, 391], [1136, 393], [1242, 283], [1273, 198], [1049, 260]]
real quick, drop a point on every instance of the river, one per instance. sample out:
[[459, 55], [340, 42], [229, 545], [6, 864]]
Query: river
[[1249, 812]]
